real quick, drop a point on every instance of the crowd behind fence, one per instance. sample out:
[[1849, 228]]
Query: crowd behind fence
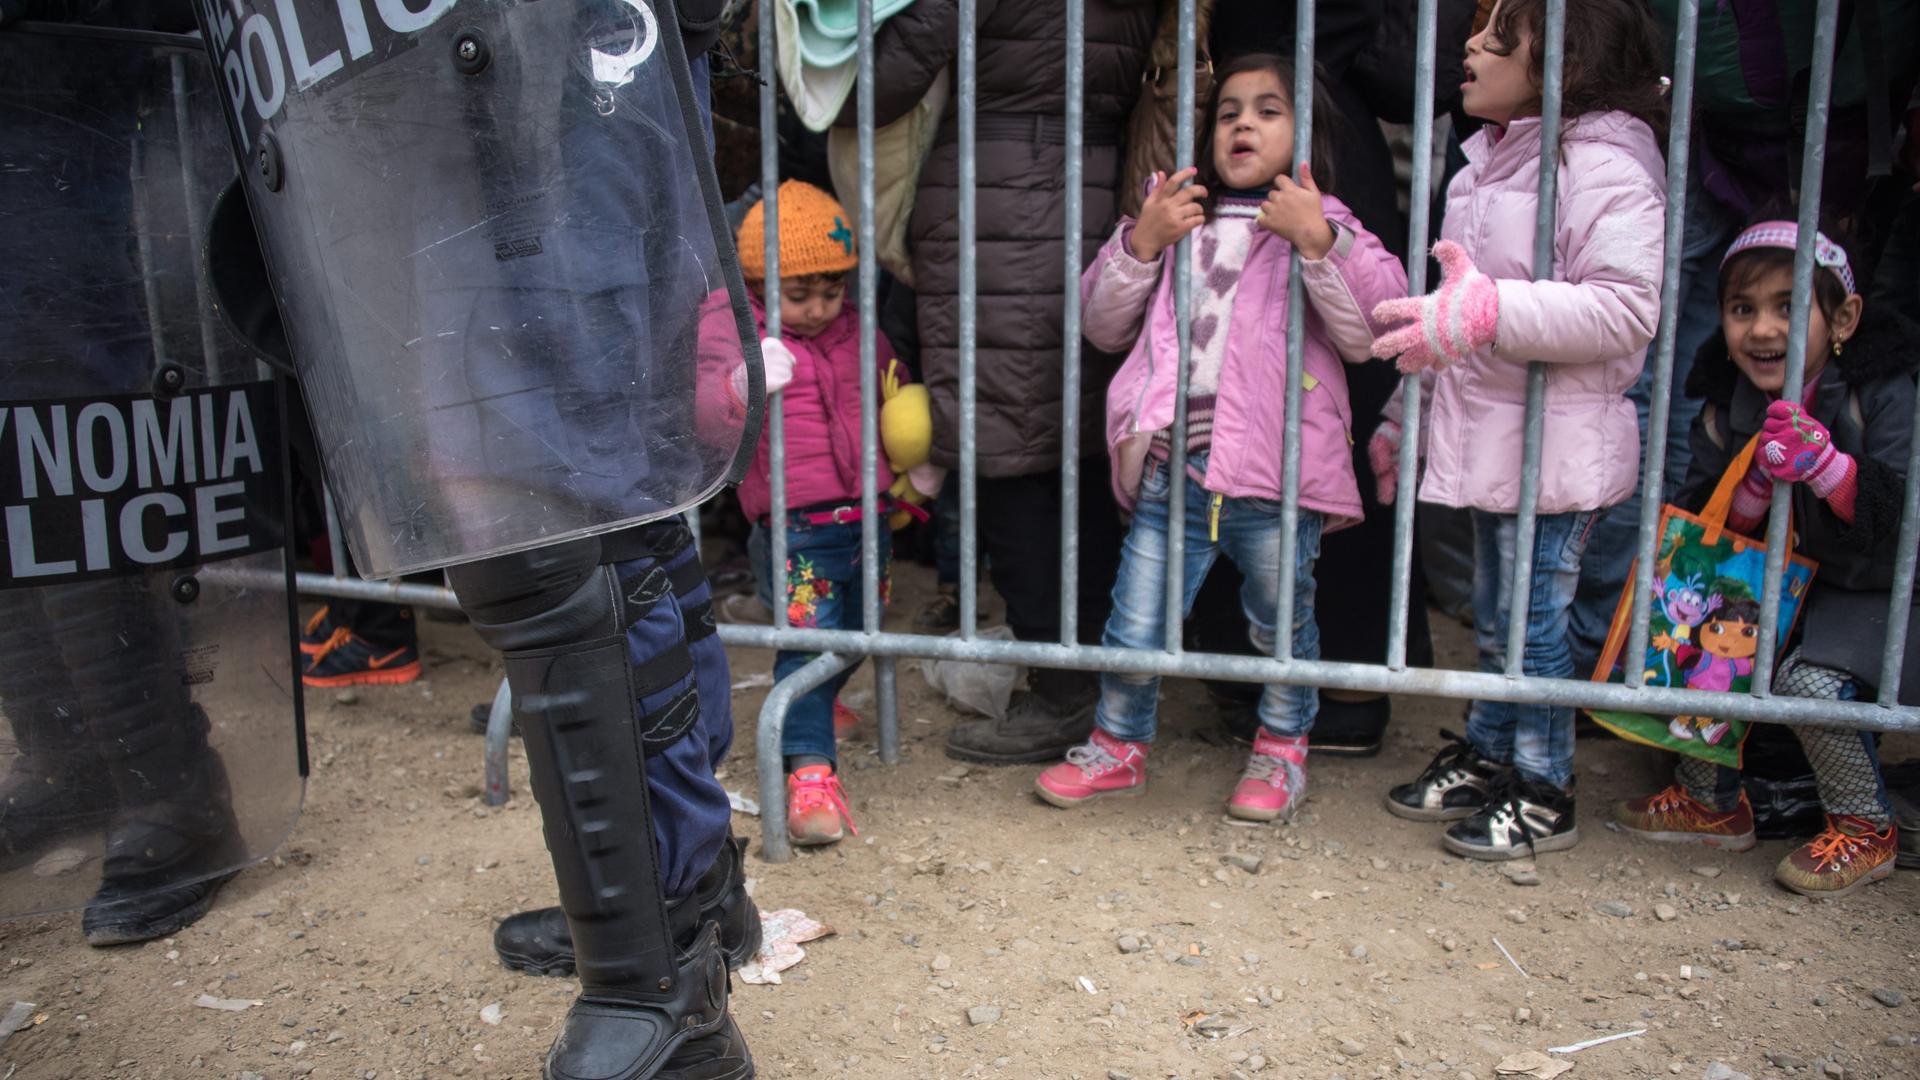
[[838, 649]]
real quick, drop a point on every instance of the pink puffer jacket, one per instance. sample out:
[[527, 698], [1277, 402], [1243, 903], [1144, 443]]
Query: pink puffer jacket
[[1590, 324], [822, 407], [1129, 305]]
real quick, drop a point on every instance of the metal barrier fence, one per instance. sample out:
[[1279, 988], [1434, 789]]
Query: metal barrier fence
[[838, 649]]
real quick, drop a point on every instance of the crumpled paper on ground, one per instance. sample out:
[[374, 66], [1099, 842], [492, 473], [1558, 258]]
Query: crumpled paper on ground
[[1532, 1063], [782, 933]]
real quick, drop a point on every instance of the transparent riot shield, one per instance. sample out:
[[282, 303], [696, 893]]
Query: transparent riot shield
[[496, 240], [150, 700]]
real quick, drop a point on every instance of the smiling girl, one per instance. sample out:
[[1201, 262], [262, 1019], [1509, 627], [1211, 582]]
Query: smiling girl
[[1509, 785], [1843, 448], [1246, 217]]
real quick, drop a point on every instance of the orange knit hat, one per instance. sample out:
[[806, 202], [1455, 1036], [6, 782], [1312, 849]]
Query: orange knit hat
[[816, 235]]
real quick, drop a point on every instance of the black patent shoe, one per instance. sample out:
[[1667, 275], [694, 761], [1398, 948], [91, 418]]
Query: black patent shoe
[[1521, 819], [1454, 785]]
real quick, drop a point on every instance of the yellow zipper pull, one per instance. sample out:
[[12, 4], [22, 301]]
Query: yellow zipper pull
[[1213, 519]]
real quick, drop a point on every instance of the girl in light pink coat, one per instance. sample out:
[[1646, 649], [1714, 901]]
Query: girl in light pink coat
[[1247, 218], [1509, 783]]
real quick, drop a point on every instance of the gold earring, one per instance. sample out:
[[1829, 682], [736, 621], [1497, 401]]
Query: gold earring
[[1836, 346]]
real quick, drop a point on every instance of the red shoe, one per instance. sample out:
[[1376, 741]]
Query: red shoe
[[1103, 765], [1275, 779], [845, 721], [1674, 817], [817, 807], [1849, 854]]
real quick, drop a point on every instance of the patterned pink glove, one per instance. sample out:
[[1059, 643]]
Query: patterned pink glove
[[1449, 323], [1383, 453], [1751, 499], [1798, 449]]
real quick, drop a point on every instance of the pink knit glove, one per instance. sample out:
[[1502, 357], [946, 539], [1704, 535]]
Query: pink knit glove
[[1383, 453], [1798, 449], [776, 370], [1449, 323], [1751, 499]]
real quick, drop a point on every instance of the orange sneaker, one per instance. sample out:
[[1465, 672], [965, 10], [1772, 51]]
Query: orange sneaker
[[1675, 817], [1849, 854], [817, 807], [845, 721], [347, 659]]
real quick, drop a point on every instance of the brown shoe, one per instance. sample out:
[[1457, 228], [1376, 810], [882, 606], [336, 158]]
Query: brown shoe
[[1675, 817], [1849, 854]]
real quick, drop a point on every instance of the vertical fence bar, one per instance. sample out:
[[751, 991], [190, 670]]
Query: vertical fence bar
[[1070, 327], [1183, 329], [869, 323], [1813, 162], [1901, 605], [887, 695], [336, 547], [1303, 12], [776, 403], [1553, 54], [965, 95], [1653, 487], [1419, 203]]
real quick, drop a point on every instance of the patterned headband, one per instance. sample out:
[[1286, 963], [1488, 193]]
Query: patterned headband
[[1786, 234]]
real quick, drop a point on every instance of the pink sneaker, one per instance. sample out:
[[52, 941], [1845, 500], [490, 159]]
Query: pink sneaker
[[816, 807], [1275, 780], [1102, 766]]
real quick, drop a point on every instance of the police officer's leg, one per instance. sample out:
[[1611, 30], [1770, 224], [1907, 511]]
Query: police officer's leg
[[50, 787], [538, 941], [173, 840], [599, 702]]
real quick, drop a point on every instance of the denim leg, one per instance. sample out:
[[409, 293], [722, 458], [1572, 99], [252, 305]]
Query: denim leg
[[1490, 723], [1250, 535], [822, 591], [1543, 734], [1129, 703]]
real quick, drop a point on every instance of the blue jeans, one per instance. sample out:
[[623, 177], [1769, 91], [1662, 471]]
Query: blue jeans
[[1710, 227], [1249, 534], [1537, 740], [823, 591]]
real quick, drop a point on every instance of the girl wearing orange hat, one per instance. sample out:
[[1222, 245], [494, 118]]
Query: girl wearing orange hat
[[814, 365]]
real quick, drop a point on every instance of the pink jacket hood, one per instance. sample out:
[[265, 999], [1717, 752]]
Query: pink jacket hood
[[822, 407], [1590, 324], [1129, 306]]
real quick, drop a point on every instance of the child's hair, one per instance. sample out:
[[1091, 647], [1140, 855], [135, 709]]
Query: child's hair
[[1613, 56], [1746, 267], [1326, 119], [1740, 611]]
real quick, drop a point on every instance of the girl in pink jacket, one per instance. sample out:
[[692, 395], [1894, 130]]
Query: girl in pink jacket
[[814, 366], [1247, 217], [1509, 784]]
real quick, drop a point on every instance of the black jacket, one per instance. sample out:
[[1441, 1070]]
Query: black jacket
[[1865, 397]]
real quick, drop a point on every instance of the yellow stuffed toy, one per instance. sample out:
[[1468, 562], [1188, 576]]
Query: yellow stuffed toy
[[906, 432]]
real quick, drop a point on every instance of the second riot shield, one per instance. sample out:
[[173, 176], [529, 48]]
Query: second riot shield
[[492, 226], [149, 703]]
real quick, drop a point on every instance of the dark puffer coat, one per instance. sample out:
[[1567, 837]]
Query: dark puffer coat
[[1866, 399], [1021, 162]]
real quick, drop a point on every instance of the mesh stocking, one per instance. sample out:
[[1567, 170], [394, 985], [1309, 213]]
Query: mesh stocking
[[1845, 765]]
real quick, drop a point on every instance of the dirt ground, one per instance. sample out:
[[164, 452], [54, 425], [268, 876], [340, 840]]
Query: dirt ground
[[983, 934]]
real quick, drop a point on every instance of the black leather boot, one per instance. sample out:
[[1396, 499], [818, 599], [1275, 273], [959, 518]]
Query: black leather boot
[[539, 943], [653, 982]]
